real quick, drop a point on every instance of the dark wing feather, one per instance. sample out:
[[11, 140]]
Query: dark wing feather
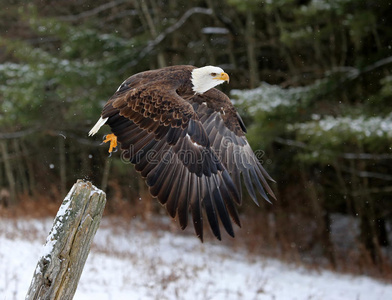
[[210, 209], [226, 132], [162, 135]]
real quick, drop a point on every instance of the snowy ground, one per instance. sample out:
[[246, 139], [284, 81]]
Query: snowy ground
[[130, 262]]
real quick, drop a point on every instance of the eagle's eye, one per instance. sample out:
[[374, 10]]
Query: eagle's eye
[[213, 74]]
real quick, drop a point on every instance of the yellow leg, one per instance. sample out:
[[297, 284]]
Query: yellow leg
[[113, 141]]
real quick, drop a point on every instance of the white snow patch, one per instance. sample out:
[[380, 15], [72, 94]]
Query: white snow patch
[[268, 97], [215, 30], [128, 261], [62, 214], [95, 190], [361, 126]]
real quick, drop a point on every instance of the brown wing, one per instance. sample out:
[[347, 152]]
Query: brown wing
[[226, 133], [162, 136]]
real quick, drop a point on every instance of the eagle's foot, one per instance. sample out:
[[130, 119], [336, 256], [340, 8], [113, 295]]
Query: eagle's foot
[[113, 142]]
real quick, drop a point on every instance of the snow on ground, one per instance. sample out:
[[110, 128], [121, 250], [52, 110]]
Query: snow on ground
[[128, 261]]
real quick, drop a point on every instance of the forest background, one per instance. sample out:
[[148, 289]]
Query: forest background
[[311, 78]]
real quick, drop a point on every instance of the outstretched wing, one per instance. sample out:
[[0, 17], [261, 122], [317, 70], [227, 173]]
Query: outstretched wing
[[161, 134], [226, 133]]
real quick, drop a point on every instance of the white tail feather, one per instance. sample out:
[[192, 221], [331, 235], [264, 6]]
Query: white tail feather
[[97, 126]]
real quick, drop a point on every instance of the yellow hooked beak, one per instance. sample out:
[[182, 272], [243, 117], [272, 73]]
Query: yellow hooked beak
[[223, 76]]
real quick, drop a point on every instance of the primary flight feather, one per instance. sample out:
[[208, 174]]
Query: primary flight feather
[[187, 140]]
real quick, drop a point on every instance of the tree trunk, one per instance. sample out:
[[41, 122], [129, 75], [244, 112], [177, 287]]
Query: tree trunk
[[251, 50], [67, 246], [29, 165], [19, 164], [63, 165], [8, 172], [105, 175], [322, 232], [153, 31]]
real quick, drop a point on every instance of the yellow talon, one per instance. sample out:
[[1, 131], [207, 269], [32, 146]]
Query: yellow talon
[[113, 141]]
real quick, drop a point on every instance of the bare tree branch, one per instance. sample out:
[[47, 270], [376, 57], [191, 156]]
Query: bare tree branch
[[17, 134], [122, 14], [153, 43], [378, 64], [289, 142], [92, 12], [351, 156], [372, 156], [387, 189], [366, 174], [354, 73]]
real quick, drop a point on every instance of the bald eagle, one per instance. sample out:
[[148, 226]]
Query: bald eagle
[[187, 140]]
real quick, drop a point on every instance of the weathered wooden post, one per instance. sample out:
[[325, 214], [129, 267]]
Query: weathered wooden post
[[67, 246]]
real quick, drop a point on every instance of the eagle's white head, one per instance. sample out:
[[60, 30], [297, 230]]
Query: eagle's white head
[[206, 78]]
